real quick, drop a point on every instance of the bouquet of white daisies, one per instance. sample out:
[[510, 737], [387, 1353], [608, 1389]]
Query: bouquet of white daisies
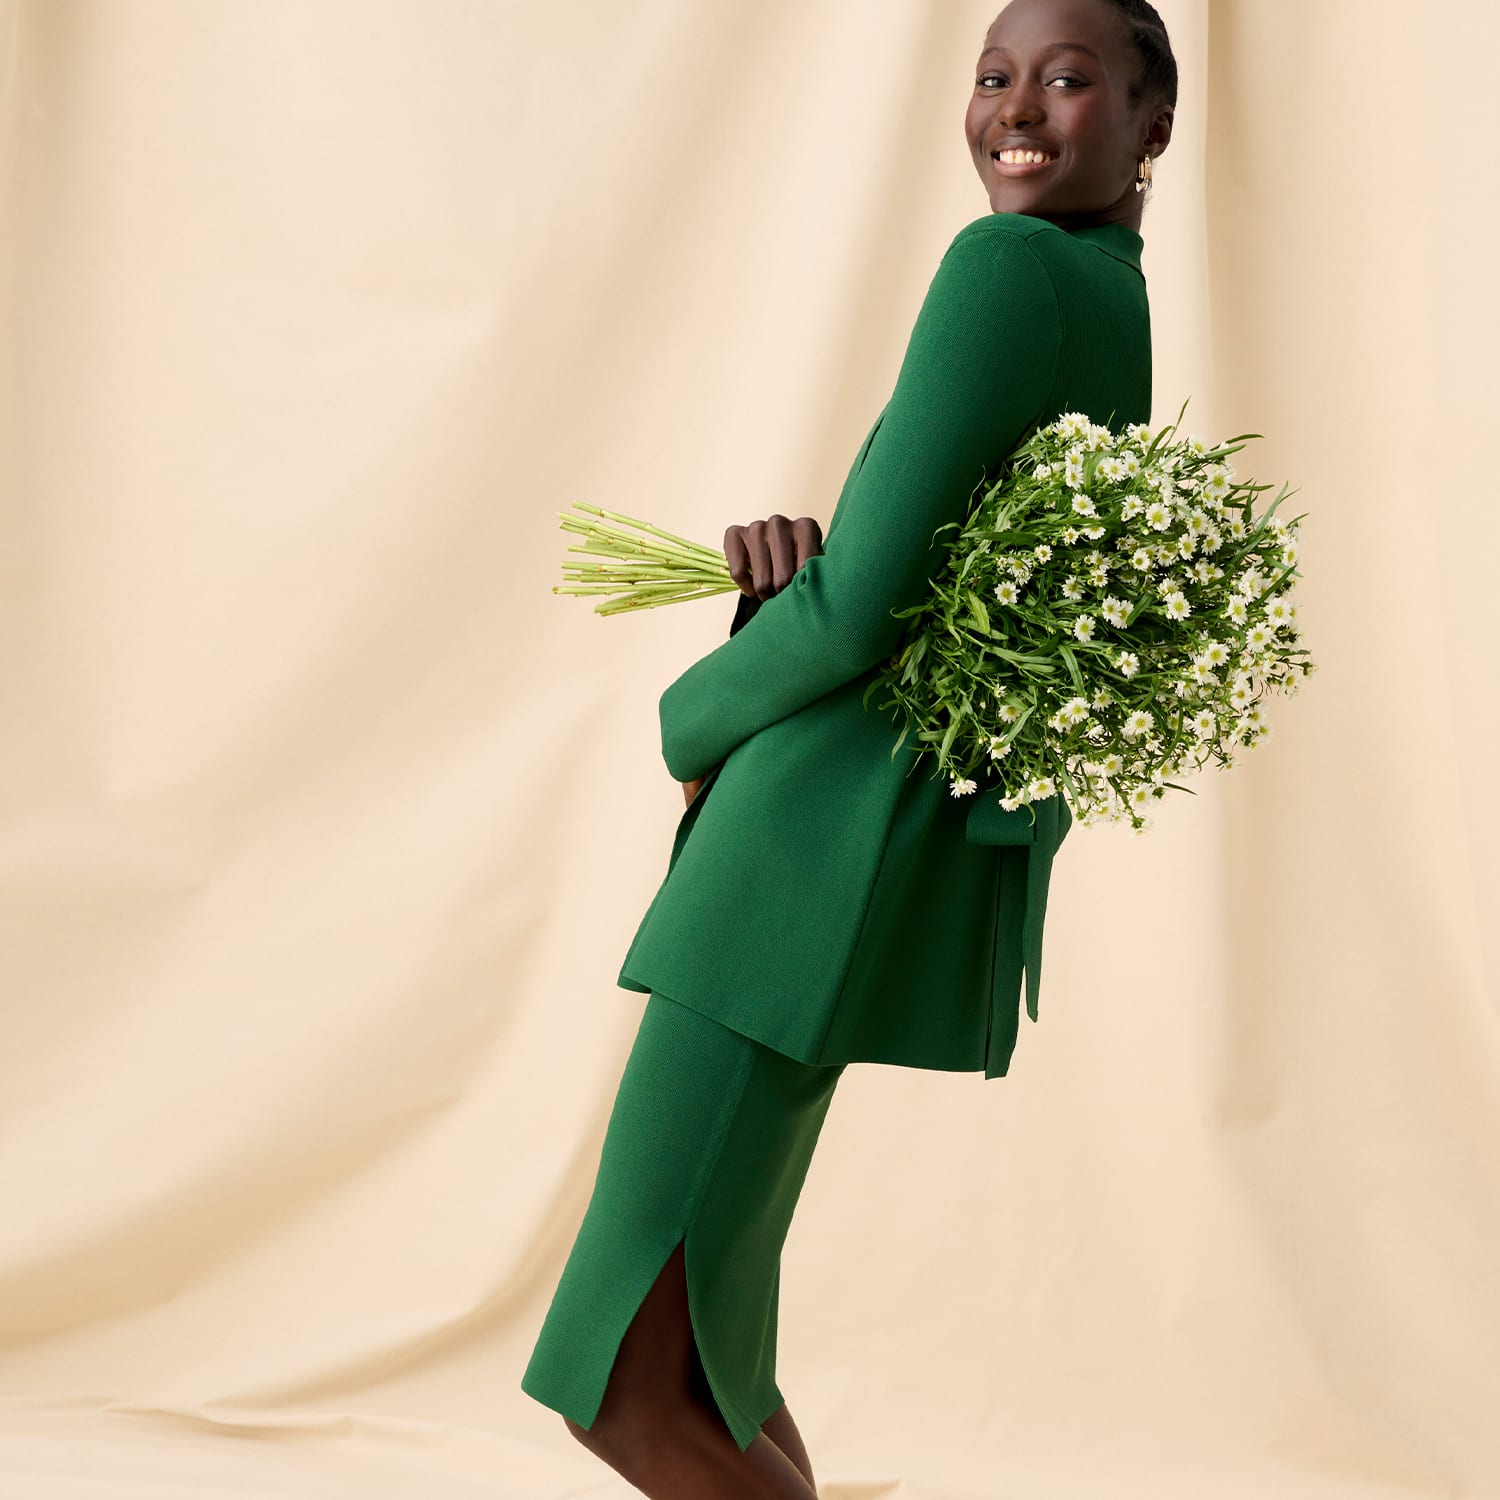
[[1112, 612]]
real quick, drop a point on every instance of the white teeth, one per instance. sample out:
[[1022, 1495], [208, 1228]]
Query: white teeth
[[1014, 157]]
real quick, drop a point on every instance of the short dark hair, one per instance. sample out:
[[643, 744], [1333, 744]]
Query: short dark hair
[[1148, 34]]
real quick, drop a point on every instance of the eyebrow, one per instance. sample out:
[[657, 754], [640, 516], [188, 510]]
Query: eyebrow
[[1054, 47]]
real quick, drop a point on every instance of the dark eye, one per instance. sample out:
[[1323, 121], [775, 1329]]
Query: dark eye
[[1061, 78]]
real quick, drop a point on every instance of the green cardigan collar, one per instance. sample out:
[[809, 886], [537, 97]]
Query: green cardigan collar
[[1118, 240]]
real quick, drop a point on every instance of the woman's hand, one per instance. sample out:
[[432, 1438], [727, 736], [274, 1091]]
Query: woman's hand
[[764, 555]]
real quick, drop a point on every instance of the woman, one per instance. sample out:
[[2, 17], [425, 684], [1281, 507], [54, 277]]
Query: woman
[[822, 905]]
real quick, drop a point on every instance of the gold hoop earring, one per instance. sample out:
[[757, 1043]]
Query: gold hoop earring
[[1143, 174]]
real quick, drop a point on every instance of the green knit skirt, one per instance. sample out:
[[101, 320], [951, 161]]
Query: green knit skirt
[[709, 1141]]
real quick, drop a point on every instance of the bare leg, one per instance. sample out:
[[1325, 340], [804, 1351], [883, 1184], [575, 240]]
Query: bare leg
[[782, 1431], [656, 1428]]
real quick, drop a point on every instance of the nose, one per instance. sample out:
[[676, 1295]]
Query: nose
[[1023, 104]]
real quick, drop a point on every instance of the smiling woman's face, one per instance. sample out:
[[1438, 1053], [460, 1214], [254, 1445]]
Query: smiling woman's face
[[1054, 77]]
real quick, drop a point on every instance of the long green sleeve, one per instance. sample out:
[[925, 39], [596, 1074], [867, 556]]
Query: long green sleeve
[[978, 370]]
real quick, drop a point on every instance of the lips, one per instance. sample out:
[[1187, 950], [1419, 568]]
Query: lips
[[1024, 162], [1023, 143]]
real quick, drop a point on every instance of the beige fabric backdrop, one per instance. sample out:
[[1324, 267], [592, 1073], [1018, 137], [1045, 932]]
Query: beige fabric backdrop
[[325, 823]]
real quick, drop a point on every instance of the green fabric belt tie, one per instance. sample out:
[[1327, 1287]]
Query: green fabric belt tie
[[1025, 872]]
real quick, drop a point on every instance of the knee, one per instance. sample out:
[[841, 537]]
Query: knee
[[633, 1435], [618, 1434]]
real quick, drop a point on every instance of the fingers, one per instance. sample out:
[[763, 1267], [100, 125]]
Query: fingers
[[764, 556], [737, 555], [807, 538]]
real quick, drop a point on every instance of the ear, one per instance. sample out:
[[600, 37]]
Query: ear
[[1160, 132]]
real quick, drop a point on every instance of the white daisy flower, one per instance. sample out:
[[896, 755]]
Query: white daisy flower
[[1009, 712], [1290, 553], [1116, 611], [1177, 607], [963, 786], [1197, 446], [1136, 724], [1128, 663], [1042, 552], [1158, 516], [1238, 608], [999, 747], [1010, 803], [1278, 611], [1131, 464], [1084, 505], [1041, 788], [1083, 627], [1141, 559], [1006, 592]]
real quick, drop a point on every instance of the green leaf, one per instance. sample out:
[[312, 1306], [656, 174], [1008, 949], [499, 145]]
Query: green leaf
[[1071, 662], [953, 724], [981, 614]]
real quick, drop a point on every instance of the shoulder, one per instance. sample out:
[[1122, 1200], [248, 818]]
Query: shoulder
[[1032, 253], [1017, 238], [1010, 246], [1004, 229], [1000, 260]]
